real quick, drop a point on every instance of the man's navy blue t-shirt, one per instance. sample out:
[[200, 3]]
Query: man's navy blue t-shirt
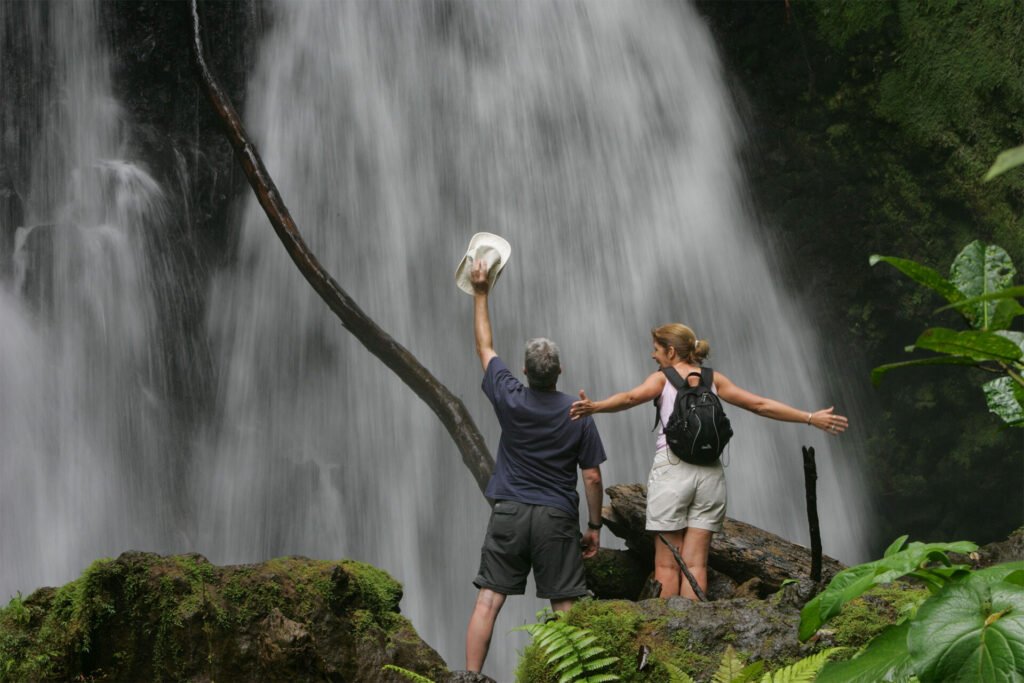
[[540, 446]]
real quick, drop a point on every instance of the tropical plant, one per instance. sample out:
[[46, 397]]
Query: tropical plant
[[570, 650], [980, 287], [971, 627]]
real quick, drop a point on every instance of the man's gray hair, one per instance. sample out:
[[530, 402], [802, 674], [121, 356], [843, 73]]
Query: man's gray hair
[[542, 364]]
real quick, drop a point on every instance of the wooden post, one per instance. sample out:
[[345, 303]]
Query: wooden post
[[810, 479]]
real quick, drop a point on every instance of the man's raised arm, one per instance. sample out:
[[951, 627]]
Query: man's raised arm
[[481, 317]]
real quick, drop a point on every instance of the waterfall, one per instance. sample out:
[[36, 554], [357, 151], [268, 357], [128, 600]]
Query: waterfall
[[89, 452], [597, 138]]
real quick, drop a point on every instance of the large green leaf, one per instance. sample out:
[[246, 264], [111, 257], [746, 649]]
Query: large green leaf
[[1008, 293], [853, 581], [845, 586], [979, 270], [1005, 398], [1006, 311], [972, 631], [976, 344], [1006, 160], [879, 372], [885, 658], [1012, 572], [923, 275]]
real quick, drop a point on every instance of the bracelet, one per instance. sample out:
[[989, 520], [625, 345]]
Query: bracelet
[[595, 527], [809, 416]]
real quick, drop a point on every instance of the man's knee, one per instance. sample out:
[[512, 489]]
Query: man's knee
[[489, 601]]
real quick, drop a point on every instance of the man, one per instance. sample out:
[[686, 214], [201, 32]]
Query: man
[[535, 521]]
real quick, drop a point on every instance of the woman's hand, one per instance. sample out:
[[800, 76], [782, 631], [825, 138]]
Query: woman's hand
[[582, 407], [827, 421]]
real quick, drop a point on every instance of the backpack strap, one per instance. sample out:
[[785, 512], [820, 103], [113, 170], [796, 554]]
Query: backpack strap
[[707, 377], [673, 376]]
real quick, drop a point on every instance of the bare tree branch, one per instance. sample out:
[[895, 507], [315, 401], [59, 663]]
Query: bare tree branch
[[448, 408]]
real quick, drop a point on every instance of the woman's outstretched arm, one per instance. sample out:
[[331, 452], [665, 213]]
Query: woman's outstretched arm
[[824, 419], [647, 391]]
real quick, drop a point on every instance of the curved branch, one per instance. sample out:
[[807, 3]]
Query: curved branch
[[448, 408]]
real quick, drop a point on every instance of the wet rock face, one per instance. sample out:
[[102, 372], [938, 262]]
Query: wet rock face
[[180, 618]]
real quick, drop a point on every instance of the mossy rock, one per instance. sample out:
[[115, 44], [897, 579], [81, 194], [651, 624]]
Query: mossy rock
[[180, 618], [693, 637]]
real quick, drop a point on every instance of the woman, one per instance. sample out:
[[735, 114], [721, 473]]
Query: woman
[[685, 502]]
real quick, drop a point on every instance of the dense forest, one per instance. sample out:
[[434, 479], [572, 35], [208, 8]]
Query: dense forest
[[871, 127]]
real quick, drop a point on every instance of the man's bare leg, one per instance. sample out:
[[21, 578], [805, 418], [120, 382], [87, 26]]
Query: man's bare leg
[[481, 626], [562, 605]]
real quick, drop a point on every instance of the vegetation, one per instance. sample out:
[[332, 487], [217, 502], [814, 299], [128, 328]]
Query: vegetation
[[970, 627], [570, 651], [980, 287], [872, 126]]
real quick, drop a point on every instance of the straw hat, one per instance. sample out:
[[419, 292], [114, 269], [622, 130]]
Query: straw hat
[[483, 246]]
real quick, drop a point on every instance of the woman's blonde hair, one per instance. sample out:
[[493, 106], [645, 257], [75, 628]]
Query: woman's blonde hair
[[684, 341]]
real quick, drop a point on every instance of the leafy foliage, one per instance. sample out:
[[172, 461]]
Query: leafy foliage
[[677, 675], [980, 287], [971, 628], [1011, 158], [405, 673], [845, 162], [733, 670], [804, 671], [570, 650], [914, 560]]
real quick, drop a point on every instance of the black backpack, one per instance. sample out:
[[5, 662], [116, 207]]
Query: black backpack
[[697, 430]]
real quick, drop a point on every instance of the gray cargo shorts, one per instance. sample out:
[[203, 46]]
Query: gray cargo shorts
[[521, 536]]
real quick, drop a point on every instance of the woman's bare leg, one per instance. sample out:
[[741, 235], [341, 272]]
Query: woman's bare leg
[[666, 569], [696, 546]]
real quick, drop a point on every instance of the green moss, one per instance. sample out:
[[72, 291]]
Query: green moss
[[864, 618], [68, 619], [376, 589], [169, 600]]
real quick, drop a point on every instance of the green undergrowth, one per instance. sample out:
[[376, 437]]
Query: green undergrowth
[[622, 627], [867, 616]]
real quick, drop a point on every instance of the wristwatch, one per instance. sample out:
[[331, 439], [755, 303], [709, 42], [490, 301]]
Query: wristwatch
[[591, 525]]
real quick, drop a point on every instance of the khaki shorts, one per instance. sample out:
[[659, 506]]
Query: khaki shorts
[[681, 495]]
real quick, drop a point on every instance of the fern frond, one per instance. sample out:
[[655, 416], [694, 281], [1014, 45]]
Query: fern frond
[[729, 667], [676, 675], [411, 675], [803, 671], [570, 651]]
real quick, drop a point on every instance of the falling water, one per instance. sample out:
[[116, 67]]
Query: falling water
[[596, 137], [88, 452]]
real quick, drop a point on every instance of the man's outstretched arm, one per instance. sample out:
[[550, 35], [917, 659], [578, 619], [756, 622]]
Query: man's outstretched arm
[[481, 316]]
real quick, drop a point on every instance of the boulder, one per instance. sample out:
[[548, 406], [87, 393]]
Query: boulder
[[180, 618], [751, 557]]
